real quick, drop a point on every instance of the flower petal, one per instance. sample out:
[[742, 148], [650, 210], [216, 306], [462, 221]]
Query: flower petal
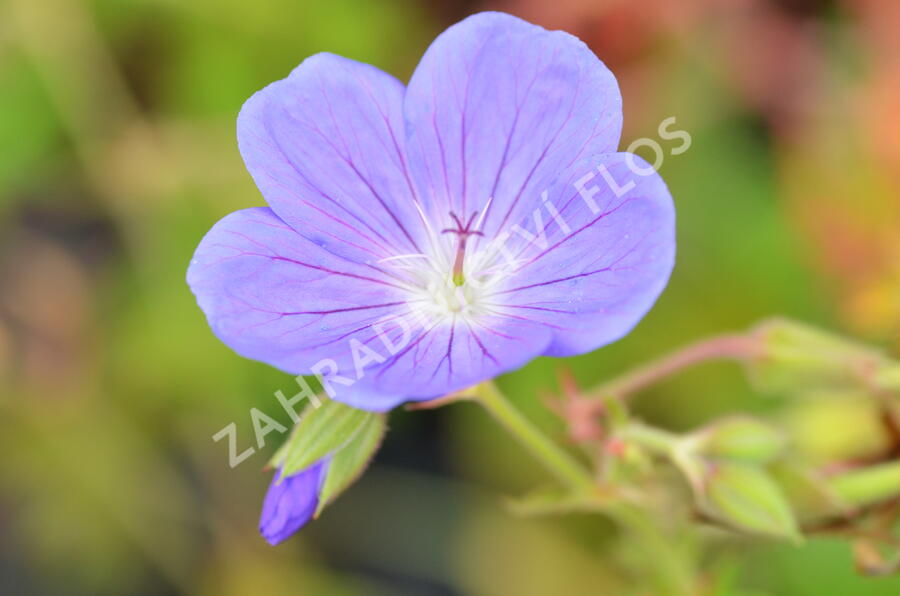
[[497, 108], [602, 262], [325, 146], [290, 503], [368, 396], [452, 355], [272, 295]]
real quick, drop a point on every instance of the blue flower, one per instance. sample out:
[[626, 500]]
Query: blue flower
[[422, 239], [290, 503]]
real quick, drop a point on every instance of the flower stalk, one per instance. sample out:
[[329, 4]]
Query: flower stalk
[[737, 347], [671, 574], [571, 473], [654, 439]]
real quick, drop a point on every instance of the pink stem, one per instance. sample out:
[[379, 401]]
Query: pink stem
[[725, 347]]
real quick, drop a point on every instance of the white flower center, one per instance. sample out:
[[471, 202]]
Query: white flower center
[[456, 278]]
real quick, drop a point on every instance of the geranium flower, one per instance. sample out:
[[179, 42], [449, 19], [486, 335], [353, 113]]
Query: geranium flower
[[421, 239]]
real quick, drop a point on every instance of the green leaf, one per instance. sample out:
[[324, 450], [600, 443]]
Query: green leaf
[[321, 432], [746, 498], [348, 463]]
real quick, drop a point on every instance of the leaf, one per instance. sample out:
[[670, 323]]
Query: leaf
[[348, 463], [321, 432], [746, 498]]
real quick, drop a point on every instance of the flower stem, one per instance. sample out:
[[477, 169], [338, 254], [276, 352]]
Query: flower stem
[[554, 458], [656, 439], [724, 347], [670, 572]]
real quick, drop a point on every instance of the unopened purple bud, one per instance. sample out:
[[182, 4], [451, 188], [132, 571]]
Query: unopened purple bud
[[290, 503]]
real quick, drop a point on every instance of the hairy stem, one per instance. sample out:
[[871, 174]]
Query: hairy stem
[[553, 457], [724, 347], [652, 438]]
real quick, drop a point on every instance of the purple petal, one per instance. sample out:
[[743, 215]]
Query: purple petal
[[272, 295], [449, 356], [326, 149], [497, 108], [290, 503], [367, 396], [595, 281]]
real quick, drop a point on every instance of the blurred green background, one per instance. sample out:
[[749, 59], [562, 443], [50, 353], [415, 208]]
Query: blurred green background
[[117, 153]]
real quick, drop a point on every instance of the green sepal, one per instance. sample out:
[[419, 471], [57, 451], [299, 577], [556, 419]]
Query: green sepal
[[276, 461], [351, 460], [321, 432]]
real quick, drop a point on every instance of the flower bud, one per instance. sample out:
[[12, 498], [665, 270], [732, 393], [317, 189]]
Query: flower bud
[[740, 438], [797, 357], [290, 503], [746, 498], [329, 448], [811, 424]]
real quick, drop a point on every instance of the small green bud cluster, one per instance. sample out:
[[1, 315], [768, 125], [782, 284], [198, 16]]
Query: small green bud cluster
[[734, 486], [772, 478]]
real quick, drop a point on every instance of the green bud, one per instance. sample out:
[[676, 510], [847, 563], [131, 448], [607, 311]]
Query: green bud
[[865, 486], [812, 424], [746, 498], [808, 489], [740, 438], [797, 357]]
